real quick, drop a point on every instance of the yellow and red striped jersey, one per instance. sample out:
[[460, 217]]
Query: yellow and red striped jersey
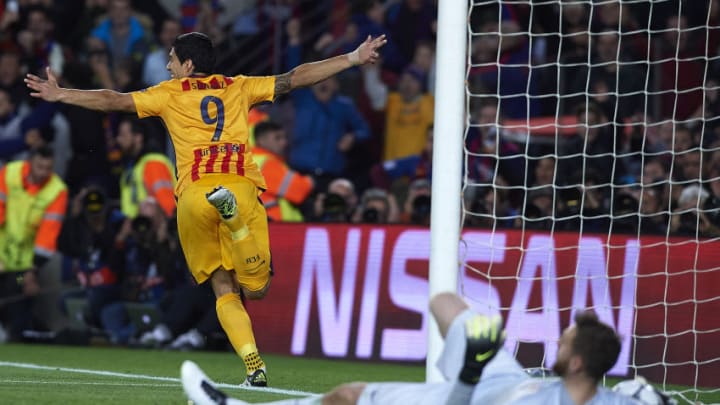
[[207, 118]]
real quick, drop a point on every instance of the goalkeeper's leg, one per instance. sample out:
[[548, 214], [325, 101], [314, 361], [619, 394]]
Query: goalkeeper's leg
[[202, 391]]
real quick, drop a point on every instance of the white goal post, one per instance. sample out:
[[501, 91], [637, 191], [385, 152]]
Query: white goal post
[[452, 39]]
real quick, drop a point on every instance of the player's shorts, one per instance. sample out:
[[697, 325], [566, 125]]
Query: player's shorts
[[205, 239]]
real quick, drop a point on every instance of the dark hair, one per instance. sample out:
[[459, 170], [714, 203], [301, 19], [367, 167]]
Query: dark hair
[[198, 48], [137, 126], [44, 151], [37, 8], [265, 127], [596, 343]]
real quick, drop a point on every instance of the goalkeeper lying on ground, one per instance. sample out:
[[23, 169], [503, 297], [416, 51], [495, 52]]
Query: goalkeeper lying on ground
[[477, 369]]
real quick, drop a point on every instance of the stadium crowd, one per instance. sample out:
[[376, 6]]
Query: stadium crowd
[[639, 152]]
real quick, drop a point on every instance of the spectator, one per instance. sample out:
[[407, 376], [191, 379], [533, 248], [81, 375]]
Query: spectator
[[409, 168], [148, 254], [37, 43], [544, 173], [327, 125], [155, 65], [618, 17], [591, 148], [11, 77], [286, 189], [586, 205], [653, 211], [122, 33], [543, 202], [681, 63], [706, 114], [485, 143], [495, 202], [87, 241], [688, 166], [683, 139], [500, 66], [689, 218], [188, 320], [410, 21], [369, 18], [23, 127], [13, 127], [408, 111], [338, 203], [89, 138], [712, 182], [201, 16], [123, 75], [32, 206], [654, 173], [376, 207], [631, 141], [424, 61], [146, 174], [416, 209], [625, 212], [539, 209], [616, 88], [573, 48]]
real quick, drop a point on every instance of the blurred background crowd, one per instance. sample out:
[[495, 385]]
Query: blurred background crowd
[[632, 86]]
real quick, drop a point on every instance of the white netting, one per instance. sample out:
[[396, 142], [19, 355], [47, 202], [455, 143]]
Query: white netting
[[592, 178]]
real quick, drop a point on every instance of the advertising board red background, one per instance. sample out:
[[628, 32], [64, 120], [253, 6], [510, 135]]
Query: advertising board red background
[[360, 292]]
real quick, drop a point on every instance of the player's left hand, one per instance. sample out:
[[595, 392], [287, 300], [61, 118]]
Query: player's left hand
[[47, 90], [367, 51]]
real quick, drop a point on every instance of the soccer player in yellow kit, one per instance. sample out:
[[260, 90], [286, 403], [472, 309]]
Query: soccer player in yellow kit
[[221, 222]]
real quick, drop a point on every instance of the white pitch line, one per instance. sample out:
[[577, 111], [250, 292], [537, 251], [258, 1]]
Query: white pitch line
[[122, 384], [151, 377]]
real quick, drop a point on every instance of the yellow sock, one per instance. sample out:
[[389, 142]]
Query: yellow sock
[[236, 323]]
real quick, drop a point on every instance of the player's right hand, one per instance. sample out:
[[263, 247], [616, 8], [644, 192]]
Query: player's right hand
[[47, 90]]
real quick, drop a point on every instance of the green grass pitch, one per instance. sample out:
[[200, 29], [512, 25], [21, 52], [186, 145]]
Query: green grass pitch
[[39, 374]]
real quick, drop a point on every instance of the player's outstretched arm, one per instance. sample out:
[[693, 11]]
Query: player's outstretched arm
[[102, 100], [308, 74]]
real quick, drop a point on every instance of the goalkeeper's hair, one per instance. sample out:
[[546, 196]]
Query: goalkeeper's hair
[[596, 343], [197, 47]]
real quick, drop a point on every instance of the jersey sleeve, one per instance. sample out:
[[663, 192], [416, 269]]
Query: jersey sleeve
[[150, 102], [258, 89]]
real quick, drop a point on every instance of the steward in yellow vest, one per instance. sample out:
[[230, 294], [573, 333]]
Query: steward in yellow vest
[[285, 188], [146, 174], [32, 207]]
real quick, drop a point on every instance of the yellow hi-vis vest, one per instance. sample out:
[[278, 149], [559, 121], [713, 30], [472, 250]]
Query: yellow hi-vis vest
[[288, 212], [132, 184], [23, 215]]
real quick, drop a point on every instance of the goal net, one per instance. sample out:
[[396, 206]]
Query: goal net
[[592, 179]]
